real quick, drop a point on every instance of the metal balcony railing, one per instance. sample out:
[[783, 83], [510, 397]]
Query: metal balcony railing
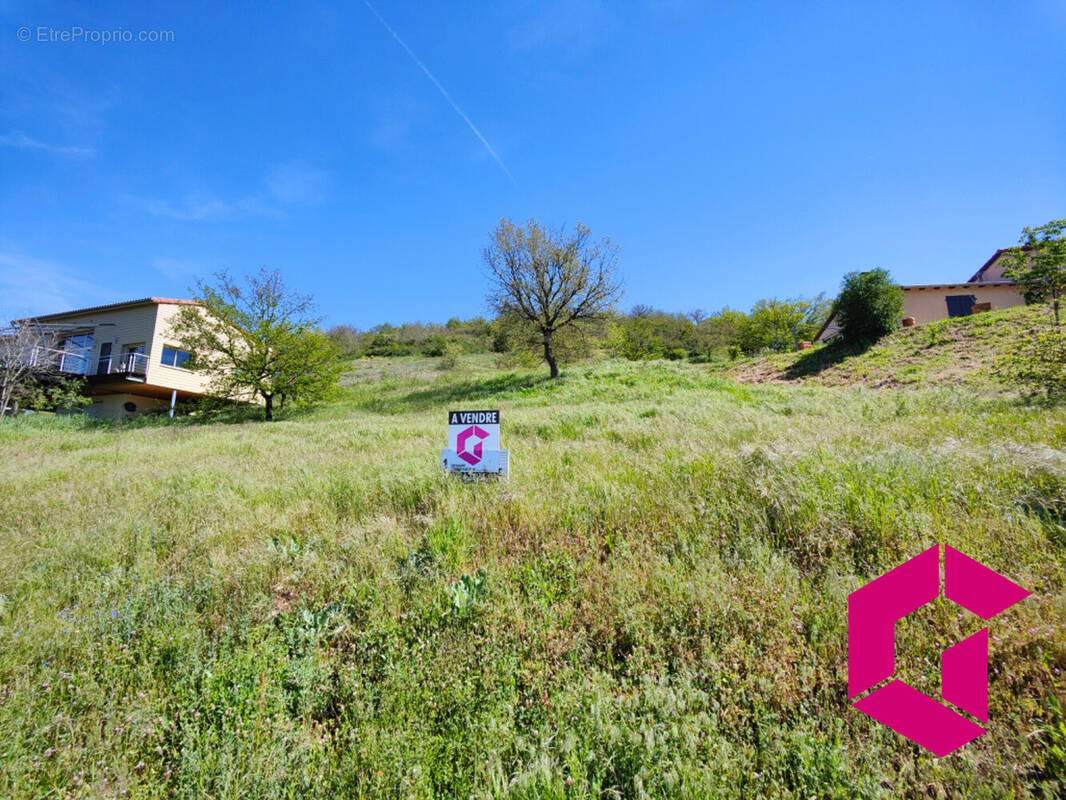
[[60, 360], [74, 363], [123, 364]]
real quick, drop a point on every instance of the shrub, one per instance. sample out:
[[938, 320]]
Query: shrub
[[1037, 361], [449, 357], [869, 306], [434, 345]]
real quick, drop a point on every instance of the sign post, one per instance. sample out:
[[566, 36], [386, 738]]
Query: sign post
[[474, 444]]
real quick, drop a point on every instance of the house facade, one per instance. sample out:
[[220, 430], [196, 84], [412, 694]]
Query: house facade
[[939, 301], [986, 290], [128, 354]]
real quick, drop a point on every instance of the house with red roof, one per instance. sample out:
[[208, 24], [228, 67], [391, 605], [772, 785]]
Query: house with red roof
[[128, 354]]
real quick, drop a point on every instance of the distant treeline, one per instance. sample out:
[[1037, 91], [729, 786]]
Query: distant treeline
[[771, 325]]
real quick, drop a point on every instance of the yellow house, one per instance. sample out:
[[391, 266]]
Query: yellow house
[[128, 355], [986, 290]]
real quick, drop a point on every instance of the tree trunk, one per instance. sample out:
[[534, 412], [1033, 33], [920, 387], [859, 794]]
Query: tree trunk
[[269, 406], [549, 356]]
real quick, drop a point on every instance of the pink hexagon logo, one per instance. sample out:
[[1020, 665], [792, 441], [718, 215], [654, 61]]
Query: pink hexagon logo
[[473, 455], [872, 614]]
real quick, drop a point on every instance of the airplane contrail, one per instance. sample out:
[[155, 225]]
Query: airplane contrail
[[442, 90]]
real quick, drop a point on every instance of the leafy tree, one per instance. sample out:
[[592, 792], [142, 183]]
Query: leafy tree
[[57, 392], [551, 280], [384, 343], [647, 333], [1039, 263], [258, 340], [348, 340], [434, 345], [719, 333], [869, 306], [523, 341], [779, 325]]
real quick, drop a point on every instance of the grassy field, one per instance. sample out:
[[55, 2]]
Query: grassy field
[[654, 605], [949, 352]]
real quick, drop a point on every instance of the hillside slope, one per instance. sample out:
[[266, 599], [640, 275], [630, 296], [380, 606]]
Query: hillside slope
[[654, 604], [950, 352]]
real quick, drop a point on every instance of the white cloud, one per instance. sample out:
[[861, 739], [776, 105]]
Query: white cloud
[[571, 24], [192, 208], [289, 184], [296, 182], [31, 286], [180, 268], [24, 142]]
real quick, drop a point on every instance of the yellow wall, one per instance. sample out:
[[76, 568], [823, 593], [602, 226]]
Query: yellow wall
[[112, 406], [928, 305], [160, 374]]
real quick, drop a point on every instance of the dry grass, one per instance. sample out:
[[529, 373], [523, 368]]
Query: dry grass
[[253, 610]]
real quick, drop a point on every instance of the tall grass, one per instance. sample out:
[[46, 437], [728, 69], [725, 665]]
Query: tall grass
[[654, 604]]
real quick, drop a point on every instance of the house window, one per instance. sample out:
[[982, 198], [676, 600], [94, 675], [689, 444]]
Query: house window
[[173, 357], [960, 305], [75, 352]]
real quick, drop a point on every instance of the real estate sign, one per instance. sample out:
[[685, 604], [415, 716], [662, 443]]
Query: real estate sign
[[474, 443]]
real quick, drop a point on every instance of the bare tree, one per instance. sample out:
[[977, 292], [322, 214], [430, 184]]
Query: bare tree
[[697, 315], [551, 279], [23, 358], [641, 311]]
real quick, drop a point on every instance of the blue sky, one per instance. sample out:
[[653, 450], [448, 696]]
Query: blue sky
[[733, 150]]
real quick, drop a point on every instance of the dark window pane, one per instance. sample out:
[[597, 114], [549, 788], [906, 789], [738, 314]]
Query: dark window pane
[[960, 305]]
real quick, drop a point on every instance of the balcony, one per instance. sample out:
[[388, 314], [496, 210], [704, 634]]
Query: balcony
[[133, 366]]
